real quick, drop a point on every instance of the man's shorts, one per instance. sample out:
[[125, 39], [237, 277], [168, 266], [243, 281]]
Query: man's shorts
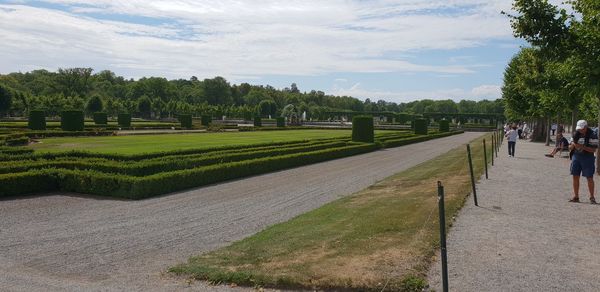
[[583, 165]]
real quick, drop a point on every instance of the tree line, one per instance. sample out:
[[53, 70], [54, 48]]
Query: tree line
[[556, 77], [156, 97]]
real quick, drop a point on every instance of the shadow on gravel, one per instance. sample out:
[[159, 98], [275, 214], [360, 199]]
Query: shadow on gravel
[[71, 195]]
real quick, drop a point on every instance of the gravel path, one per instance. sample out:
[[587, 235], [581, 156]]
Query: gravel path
[[525, 236], [71, 242]]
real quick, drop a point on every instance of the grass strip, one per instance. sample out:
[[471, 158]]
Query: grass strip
[[383, 236]]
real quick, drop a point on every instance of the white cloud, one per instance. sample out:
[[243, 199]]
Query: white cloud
[[237, 39], [490, 92]]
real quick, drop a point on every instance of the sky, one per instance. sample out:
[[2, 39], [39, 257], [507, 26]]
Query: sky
[[397, 51]]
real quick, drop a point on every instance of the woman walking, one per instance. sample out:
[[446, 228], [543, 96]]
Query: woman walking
[[512, 136]]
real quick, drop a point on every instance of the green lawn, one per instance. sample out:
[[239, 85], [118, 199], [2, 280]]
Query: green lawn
[[381, 238], [155, 143]]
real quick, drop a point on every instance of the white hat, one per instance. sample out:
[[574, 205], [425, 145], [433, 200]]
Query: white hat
[[581, 124]]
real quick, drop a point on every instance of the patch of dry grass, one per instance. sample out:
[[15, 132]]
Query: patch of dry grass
[[385, 235]]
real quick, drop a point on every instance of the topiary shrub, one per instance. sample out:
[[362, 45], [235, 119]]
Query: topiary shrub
[[280, 122], [206, 120], [257, 121], [124, 120], [72, 120], [420, 126], [362, 129], [100, 118], [37, 120], [185, 120], [444, 126]]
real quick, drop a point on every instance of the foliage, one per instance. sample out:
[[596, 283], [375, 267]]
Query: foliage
[[72, 120], [100, 118], [145, 107], [362, 129], [37, 120], [5, 99], [420, 126], [185, 120], [257, 121], [444, 126], [206, 120], [280, 122], [95, 104], [124, 120]]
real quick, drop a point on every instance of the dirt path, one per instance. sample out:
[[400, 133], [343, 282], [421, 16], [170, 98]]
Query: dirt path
[[69, 242], [525, 236]]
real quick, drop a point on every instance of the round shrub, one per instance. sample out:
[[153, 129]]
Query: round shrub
[[420, 126], [37, 120], [124, 120], [280, 122], [100, 118], [362, 129], [185, 120], [206, 120], [257, 122], [72, 120], [444, 126]]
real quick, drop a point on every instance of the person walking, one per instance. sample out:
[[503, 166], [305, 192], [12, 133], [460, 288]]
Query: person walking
[[583, 146], [512, 136]]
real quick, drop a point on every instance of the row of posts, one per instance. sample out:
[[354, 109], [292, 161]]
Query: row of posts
[[497, 139]]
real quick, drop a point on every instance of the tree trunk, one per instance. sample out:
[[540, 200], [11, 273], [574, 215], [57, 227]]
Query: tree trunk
[[539, 131]]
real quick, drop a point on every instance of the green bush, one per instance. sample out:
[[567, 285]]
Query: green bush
[[257, 121], [18, 141], [280, 122], [206, 120], [37, 120], [100, 118], [185, 120], [15, 150], [420, 126], [36, 181], [152, 166], [362, 129], [72, 120], [444, 126], [124, 120]]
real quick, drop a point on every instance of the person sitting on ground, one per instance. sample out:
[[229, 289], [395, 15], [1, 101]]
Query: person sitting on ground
[[561, 144]]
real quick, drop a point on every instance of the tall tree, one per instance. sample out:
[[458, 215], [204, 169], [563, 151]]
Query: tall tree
[[5, 100]]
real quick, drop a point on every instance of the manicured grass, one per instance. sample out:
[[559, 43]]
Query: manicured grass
[[385, 235], [155, 143]]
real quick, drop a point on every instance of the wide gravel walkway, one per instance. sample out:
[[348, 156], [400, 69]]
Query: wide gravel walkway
[[70, 242], [525, 235]]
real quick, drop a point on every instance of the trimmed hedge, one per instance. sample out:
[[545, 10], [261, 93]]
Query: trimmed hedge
[[206, 120], [444, 126], [118, 185], [124, 120], [149, 167], [185, 120], [100, 118], [37, 120], [280, 122], [416, 139], [18, 141], [257, 121], [362, 129], [420, 126], [15, 150], [72, 120]]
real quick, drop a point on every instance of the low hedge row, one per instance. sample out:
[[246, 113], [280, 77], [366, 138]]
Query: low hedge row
[[416, 139], [144, 156], [117, 185], [17, 141], [15, 150], [150, 167]]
